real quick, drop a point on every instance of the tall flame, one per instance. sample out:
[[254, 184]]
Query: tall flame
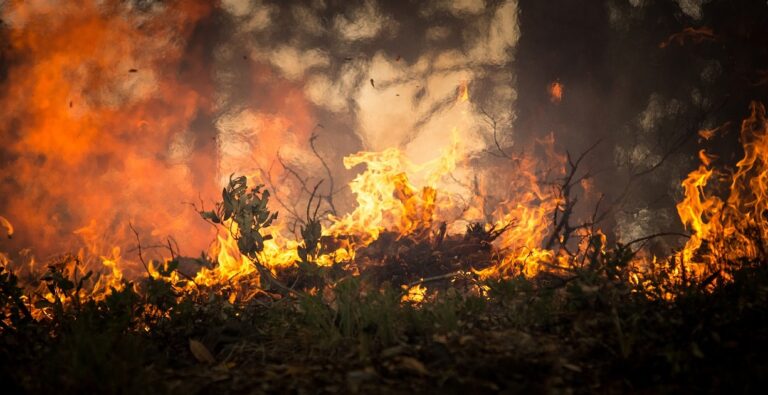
[[731, 230]]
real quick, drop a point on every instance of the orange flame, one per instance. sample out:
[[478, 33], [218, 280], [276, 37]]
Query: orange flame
[[730, 231], [555, 90]]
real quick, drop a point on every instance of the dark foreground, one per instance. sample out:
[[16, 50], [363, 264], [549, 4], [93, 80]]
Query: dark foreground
[[588, 334]]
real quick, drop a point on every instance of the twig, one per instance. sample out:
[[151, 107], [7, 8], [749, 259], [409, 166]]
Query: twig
[[309, 203], [563, 228], [435, 278], [170, 248], [267, 275], [329, 197], [492, 122], [276, 195], [294, 173], [676, 146], [138, 241], [655, 235]]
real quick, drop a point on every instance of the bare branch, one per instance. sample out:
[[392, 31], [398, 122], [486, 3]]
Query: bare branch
[[138, 241], [329, 197]]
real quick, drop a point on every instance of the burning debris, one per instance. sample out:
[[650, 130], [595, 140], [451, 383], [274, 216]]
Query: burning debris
[[555, 90], [6, 226]]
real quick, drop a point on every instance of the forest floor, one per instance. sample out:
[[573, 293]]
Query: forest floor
[[591, 333]]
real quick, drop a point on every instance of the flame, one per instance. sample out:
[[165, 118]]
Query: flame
[[385, 197], [555, 90], [7, 225], [415, 294], [706, 158], [105, 121], [726, 232]]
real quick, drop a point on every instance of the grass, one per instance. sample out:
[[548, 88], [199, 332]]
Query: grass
[[594, 333]]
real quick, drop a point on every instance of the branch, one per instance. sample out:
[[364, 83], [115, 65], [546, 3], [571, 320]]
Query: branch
[[563, 228], [141, 256], [655, 235], [329, 197], [493, 124]]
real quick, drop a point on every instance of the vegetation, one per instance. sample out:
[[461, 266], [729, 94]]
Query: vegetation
[[592, 331]]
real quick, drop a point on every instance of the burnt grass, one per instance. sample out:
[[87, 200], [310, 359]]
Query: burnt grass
[[589, 333]]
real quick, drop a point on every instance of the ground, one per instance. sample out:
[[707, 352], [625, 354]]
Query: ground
[[591, 333]]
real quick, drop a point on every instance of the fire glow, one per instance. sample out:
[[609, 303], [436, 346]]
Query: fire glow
[[130, 115]]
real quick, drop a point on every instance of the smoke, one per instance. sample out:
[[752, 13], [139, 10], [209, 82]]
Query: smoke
[[364, 76], [388, 78], [118, 112], [99, 105]]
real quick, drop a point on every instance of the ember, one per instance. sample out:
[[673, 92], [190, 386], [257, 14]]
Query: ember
[[555, 92]]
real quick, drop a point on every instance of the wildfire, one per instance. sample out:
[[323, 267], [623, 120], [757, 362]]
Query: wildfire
[[731, 230], [514, 211], [387, 200], [723, 230]]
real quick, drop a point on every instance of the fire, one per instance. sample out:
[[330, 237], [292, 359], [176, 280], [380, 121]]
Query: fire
[[555, 90], [415, 294], [385, 197], [735, 229], [724, 230], [7, 226], [105, 144], [279, 252], [97, 124], [387, 200]]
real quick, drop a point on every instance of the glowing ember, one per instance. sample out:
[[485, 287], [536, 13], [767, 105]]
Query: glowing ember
[[555, 90], [7, 226], [415, 294]]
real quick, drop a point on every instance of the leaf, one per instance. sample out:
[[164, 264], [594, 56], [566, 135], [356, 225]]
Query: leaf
[[393, 351], [239, 186], [83, 280], [413, 365], [210, 215], [66, 285], [200, 352], [572, 367], [696, 350]]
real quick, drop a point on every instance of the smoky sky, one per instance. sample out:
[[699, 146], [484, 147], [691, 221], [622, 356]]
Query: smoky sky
[[381, 74]]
